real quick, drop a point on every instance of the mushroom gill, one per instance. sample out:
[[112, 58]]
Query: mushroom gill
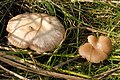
[[39, 32]]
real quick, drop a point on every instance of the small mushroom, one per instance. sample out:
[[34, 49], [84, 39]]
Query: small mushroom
[[97, 49], [39, 32]]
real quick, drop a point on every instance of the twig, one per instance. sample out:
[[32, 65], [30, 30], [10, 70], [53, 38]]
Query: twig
[[104, 1], [13, 73], [39, 71], [33, 59], [93, 30], [27, 63], [63, 63], [19, 60], [8, 48], [105, 74], [4, 76]]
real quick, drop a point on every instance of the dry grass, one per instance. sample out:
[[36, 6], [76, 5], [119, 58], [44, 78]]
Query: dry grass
[[80, 20]]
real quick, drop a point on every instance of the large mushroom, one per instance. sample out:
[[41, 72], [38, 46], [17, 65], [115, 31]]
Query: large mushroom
[[97, 49], [39, 32]]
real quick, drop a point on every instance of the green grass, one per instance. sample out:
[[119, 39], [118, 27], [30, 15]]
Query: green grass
[[75, 17]]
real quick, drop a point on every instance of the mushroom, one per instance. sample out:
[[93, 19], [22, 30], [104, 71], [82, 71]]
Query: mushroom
[[39, 32], [97, 49]]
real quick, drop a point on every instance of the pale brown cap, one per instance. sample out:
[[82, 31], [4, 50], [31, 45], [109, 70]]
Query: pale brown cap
[[105, 44], [96, 50]]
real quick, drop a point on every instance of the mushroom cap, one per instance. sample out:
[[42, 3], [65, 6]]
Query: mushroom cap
[[96, 50], [39, 32], [92, 40], [105, 44]]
